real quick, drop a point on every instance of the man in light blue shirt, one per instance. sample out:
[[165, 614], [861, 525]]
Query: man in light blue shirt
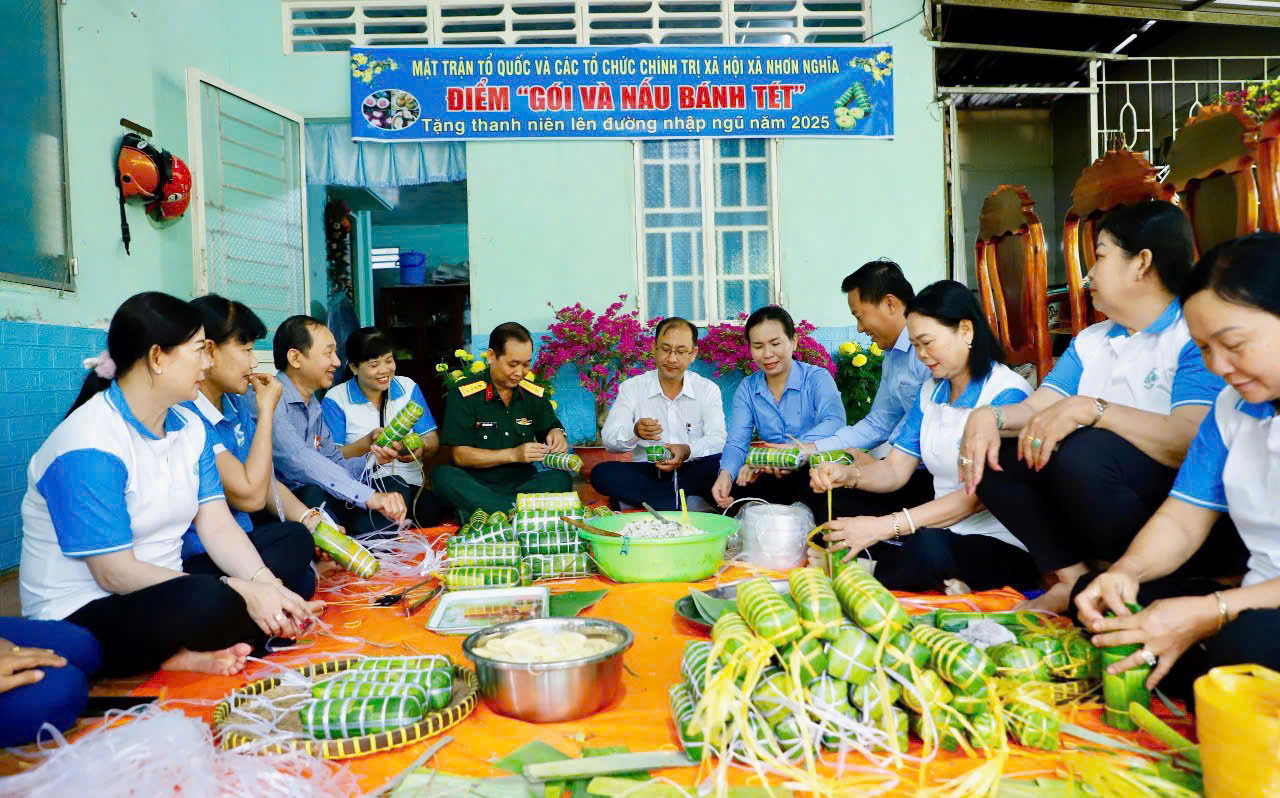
[[878, 294], [307, 461]]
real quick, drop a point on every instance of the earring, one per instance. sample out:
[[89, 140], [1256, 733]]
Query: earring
[[969, 343]]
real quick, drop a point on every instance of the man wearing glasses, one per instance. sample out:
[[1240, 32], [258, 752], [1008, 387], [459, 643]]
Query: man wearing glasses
[[671, 420]]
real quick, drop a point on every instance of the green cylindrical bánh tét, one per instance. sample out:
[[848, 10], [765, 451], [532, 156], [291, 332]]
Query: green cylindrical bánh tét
[[808, 655], [860, 99], [695, 668], [1033, 725], [526, 521], [567, 500], [428, 662], [472, 577], [401, 425], [959, 663], [478, 518], [868, 603], [682, 713], [844, 98], [563, 461], [902, 654], [930, 688], [973, 701], [1018, 663], [852, 656], [769, 457], [733, 630], [491, 532], [838, 456], [868, 696], [437, 682], [558, 566], [657, 453], [411, 442], [550, 541], [772, 694], [1121, 689], [816, 601], [354, 688], [766, 613], [338, 718], [344, 550], [465, 552]]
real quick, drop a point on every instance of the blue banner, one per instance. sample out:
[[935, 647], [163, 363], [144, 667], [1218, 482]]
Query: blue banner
[[488, 93]]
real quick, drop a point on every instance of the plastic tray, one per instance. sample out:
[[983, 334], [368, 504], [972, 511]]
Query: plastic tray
[[465, 611]]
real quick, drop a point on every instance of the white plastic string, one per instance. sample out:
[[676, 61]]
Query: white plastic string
[[161, 751]]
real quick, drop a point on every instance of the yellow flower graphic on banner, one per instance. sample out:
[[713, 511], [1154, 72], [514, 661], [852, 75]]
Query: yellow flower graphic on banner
[[360, 58]]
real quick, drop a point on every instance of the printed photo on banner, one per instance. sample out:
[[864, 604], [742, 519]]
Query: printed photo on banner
[[488, 93]]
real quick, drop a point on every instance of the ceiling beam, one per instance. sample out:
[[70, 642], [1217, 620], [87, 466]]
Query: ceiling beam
[[1006, 48], [1016, 90], [1199, 4], [1122, 11]]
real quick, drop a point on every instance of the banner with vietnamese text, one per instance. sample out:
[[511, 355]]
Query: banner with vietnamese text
[[553, 92]]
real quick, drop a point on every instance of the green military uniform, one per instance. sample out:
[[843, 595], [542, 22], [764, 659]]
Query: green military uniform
[[476, 416]]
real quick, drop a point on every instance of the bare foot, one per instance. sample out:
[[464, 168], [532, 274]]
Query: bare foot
[[1055, 599], [326, 567], [227, 662]]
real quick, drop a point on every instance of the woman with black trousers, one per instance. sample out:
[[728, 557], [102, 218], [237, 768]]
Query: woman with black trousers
[[1089, 456], [110, 495], [1191, 625]]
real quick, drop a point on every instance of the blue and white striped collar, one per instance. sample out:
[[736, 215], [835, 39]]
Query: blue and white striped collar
[[173, 420], [970, 395], [357, 396], [1163, 322]]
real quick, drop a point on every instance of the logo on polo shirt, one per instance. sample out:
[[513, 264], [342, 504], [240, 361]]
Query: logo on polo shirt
[[239, 430], [1151, 380]]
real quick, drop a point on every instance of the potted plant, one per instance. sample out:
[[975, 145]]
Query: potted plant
[[858, 377], [605, 348], [1259, 100], [725, 348]]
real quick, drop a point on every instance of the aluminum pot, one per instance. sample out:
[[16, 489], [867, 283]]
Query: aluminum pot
[[547, 692]]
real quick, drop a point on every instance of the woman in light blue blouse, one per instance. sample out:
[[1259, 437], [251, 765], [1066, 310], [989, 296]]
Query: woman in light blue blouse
[[784, 402], [1191, 624], [951, 537]]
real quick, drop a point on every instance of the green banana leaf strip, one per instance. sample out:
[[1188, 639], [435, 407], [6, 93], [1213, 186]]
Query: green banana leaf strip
[[567, 605], [711, 608]]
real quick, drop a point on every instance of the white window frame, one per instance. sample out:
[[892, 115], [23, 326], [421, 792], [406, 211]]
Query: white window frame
[[195, 146], [710, 260]]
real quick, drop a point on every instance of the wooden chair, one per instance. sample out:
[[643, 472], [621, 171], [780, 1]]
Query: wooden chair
[[1211, 168], [1013, 277], [1269, 173], [1118, 178]]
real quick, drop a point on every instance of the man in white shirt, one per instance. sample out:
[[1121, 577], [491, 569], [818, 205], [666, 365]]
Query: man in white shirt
[[671, 407]]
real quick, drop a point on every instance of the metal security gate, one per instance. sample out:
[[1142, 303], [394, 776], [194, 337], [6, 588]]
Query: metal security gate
[[249, 211], [1143, 102]]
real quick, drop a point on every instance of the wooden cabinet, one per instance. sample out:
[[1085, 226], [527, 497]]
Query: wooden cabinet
[[428, 323]]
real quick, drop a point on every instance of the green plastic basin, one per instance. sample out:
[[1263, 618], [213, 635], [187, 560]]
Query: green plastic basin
[[685, 559]]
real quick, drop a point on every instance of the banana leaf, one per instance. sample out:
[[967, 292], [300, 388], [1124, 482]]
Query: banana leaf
[[568, 605]]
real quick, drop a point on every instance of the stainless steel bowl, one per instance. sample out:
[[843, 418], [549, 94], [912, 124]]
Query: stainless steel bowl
[[547, 692]]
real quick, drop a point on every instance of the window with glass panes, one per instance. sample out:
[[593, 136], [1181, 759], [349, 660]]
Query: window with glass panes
[[680, 234]]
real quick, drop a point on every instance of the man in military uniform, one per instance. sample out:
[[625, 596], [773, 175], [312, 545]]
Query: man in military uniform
[[499, 427]]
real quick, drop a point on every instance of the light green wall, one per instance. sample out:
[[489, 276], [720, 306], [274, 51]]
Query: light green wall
[[129, 60], [548, 221], [556, 220]]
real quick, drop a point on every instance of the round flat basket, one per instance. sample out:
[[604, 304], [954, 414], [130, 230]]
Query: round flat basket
[[461, 704]]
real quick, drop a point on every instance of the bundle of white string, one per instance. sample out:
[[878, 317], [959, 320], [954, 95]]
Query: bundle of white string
[[162, 752]]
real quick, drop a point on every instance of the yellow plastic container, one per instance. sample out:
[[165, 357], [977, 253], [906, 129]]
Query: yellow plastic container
[[1238, 723]]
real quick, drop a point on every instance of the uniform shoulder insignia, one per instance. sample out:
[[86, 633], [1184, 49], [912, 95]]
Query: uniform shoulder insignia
[[536, 390], [471, 388]]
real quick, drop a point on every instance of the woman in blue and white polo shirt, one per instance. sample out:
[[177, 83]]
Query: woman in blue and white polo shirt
[[110, 495], [1093, 452], [357, 410], [1233, 468], [951, 536], [280, 528]]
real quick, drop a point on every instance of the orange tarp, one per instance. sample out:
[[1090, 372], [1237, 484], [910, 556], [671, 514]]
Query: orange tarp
[[639, 720]]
